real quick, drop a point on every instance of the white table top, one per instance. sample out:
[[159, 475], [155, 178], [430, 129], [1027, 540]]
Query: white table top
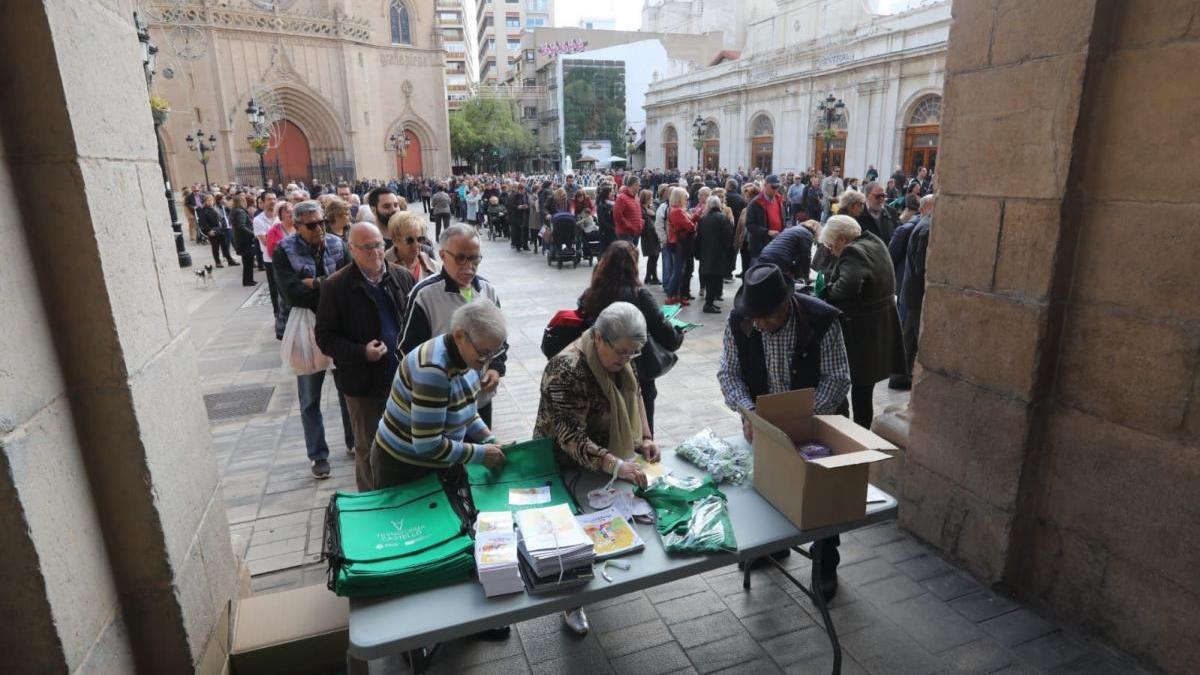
[[387, 625]]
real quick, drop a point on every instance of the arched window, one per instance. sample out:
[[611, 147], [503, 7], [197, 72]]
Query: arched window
[[921, 135], [670, 148], [762, 143], [928, 111], [401, 35]]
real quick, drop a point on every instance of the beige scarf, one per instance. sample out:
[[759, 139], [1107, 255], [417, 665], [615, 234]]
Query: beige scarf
[[625, 424]]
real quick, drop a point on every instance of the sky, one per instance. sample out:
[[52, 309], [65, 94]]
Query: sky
[[628, 13]]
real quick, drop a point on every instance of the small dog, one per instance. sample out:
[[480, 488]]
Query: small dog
[[205, 275]]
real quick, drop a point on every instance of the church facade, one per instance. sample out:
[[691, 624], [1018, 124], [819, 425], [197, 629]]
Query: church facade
[[880, 77], [340, 82]]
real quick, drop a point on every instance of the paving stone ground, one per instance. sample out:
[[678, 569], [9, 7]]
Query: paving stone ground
[[901, 609]]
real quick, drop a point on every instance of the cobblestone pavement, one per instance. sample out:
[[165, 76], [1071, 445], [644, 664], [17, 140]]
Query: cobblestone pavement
[[901, 609]]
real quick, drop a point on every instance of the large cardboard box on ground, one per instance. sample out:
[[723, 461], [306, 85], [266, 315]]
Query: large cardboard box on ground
[[821, 492], [300, 632]]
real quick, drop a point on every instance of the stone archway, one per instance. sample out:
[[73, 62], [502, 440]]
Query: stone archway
[[670, 148], [421, 140], [411, 163], [711, 147], [922, 131], [762, 143]]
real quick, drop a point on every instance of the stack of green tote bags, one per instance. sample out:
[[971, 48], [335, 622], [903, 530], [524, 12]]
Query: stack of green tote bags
[[528, 479], [396, 540]]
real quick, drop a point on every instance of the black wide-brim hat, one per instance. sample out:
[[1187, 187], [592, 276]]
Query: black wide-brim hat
[[764, 290]]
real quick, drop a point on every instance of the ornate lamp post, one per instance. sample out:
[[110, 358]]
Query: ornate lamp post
[[202, 146], [260, 136], [149, 63], [699, 128], [831, 108], [400, 143], [630, 138]]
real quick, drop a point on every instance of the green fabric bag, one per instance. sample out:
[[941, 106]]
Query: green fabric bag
[[692, 515], [395, 540], [530, 470]]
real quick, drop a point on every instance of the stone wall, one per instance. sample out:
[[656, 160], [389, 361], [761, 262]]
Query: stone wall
[[113, 526], [1055, 433]]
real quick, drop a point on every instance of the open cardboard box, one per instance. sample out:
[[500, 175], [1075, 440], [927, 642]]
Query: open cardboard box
[[822, 492], [302, 631]]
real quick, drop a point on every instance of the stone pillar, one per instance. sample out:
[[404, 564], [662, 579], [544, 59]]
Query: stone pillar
[[1055, 429], [111, 516]]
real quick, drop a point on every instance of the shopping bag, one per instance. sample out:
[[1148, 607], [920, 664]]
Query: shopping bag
[[299, 347]]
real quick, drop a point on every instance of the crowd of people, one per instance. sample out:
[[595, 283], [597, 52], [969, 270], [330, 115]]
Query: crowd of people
[[832, 278]]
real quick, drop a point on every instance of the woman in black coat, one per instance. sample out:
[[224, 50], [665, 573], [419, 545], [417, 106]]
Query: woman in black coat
[[243, 237], [650, 244], [210, 224], [862, 283], [714, 242], [615, 279], [604, 216]]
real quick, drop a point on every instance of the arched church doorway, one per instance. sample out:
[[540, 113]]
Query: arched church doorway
[[289, 151]]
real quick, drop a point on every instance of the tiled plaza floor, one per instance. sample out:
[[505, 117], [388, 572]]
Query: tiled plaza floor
[[900, 609]]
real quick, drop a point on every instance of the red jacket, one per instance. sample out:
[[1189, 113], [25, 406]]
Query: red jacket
[[627, 214], [679, 226]]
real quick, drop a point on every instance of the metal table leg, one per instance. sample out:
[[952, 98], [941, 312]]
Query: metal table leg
[[813, 594]]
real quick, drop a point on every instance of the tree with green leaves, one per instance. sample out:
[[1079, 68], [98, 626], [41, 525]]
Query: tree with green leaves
[[488, 129], [593, 104]]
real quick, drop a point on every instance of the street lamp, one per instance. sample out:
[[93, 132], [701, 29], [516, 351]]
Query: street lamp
[[198, 145], [400, 143], [699, 128], [630, 138], [832, 109], [149, 64], [260, 136]]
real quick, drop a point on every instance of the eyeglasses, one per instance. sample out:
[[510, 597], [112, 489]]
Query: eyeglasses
[[482, 359], [373, 246], [410, 240], [463, 258], [315, 224], [621, 353]]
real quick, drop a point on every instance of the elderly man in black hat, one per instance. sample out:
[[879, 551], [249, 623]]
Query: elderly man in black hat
[[778, 340]]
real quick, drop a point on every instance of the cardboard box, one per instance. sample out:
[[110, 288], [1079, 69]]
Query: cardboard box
[[822, 492], [301, 631]]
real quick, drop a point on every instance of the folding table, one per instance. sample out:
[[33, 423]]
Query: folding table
[[412, 623]]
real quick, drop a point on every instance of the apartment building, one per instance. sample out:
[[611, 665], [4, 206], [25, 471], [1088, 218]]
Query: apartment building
[[500, 24], [456, 28]]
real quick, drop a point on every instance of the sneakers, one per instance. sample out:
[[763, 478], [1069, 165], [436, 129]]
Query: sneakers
[[320, 468], [576, 620]]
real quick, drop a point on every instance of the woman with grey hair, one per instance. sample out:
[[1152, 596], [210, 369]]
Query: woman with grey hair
[[591, 405], [852, 203], [862, 283], [431, 422], [714, 249]]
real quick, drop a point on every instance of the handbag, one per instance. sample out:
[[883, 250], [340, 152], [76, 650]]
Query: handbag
[[656, 360]]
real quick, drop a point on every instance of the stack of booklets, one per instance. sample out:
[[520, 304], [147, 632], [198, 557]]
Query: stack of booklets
[[611, 533], [555, 551], [395, 540], [496, 554]]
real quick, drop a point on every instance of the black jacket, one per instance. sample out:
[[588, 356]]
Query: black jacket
[[757, 226], [518, 209], [813, 320], [736, 203], [243, 231], [888, 222], [791, 251], [714, 241], [348, 319], [210, 221]]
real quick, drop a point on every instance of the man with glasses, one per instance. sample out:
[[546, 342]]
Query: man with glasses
[[302, 262], [358, 326], [777, 340], [878, 217], [434, 300]]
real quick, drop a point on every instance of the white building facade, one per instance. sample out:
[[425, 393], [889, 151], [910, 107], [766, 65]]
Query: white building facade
[[763, 109]]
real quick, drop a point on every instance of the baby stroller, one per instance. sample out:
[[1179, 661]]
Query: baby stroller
[[497, 217], [562, 241], [588, 242]]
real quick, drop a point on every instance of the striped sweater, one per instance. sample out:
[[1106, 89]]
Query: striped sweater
[[432, 408]]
